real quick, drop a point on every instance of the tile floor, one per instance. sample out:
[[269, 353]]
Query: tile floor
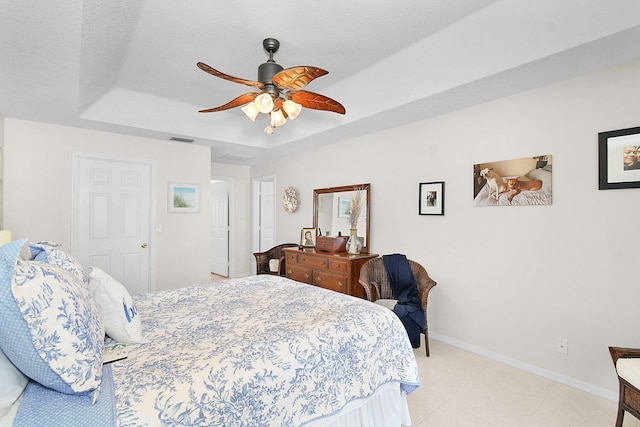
[[460, 388]]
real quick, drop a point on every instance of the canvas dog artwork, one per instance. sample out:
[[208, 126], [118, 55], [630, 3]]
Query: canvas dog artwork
[[494, 181], [517, 182]]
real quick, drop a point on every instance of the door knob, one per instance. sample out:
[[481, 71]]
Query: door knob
[[143, 246]]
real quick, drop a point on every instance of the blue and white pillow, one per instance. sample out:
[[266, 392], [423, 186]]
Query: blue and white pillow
[[52, 329], [119, 313], [48, 252]]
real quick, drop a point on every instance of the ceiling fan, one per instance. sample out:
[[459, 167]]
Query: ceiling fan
[[281, 95]]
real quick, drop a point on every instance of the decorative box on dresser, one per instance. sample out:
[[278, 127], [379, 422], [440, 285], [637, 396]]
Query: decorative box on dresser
[[336, 271]]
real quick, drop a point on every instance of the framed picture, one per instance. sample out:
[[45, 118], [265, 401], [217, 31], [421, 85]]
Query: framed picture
[[517, 182], [344, 206], [431, 199], [184, 198], [308, 237], [619, 159]]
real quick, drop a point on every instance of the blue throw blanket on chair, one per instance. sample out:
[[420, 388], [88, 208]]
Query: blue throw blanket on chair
[[405, 290]]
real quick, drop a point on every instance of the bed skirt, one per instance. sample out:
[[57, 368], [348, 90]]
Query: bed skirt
[[387, 407]]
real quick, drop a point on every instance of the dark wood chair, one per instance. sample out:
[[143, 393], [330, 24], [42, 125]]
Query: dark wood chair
[[275, 253], [626, 361], [374, 279]]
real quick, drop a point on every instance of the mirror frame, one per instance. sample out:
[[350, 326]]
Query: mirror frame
[[365, 187]]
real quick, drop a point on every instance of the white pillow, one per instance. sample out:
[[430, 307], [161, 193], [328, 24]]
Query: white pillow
[[274, 265], [119, 314], [13, 384]]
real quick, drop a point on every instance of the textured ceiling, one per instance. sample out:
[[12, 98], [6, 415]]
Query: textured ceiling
[[130, 66]]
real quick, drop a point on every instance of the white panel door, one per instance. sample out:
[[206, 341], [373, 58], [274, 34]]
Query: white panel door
[[267, 215], [112, 213], [220, 227]]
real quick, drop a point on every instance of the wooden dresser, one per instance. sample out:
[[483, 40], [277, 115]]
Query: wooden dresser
[[336, 271]]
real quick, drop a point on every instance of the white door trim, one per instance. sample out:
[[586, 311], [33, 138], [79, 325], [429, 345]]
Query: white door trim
[[75, 159]]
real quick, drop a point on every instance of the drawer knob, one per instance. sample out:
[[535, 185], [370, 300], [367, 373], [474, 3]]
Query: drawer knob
[[306, 276], [340, 283], [319, 279]]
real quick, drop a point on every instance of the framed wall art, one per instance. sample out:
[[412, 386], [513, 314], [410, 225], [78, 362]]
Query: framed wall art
[[518, 182], [619, 159], [184, 198], [431, 198]]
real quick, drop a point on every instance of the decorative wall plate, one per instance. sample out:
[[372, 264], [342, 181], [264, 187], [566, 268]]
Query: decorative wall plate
[[290, 200]]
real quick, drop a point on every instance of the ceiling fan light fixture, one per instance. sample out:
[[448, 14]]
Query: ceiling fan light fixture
[[251, 110], [264, 103], [292, 108], [273, 90], [277, 118]]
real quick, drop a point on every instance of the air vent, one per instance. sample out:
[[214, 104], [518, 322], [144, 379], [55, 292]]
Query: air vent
[[178, 139], [234, 157]]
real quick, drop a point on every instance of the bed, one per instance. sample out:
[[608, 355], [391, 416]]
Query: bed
[[524, 198], [255, 351]]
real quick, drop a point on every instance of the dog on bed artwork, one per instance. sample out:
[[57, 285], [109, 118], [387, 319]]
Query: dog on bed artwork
[[495, 182], [516, 186]]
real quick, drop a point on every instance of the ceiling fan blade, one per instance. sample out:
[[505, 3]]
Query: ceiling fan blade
[[204, 67], [245, 98], [316, 101], [297, 77]]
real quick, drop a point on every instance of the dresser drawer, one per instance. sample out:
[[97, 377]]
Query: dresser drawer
[[313, 261], [300, 273], [338, 265], [291, 257], [335, 282]]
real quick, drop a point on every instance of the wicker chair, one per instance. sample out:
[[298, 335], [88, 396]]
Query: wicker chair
[[263, 258], [373, 277], [627, 364]]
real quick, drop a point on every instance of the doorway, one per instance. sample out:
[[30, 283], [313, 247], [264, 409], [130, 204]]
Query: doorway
[[112, 216]]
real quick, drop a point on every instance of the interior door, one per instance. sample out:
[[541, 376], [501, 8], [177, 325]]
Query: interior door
[[220, 227], [267, 215], [263, 213], [112, 218]]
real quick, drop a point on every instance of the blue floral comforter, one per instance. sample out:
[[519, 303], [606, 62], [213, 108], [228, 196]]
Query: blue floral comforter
[[257, 351]]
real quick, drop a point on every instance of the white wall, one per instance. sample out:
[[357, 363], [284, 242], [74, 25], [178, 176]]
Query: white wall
[[510, 279], [37, 191]]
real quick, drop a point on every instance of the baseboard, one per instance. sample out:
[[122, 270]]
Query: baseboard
[[563, 379]]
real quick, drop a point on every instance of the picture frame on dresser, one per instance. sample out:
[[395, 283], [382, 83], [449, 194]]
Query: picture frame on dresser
[[619, 159], [308, 237]]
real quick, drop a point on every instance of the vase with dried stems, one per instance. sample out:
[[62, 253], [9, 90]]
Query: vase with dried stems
[[353, 244]]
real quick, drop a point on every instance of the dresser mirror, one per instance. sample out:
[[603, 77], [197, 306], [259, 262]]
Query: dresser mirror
[[330, 216]]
